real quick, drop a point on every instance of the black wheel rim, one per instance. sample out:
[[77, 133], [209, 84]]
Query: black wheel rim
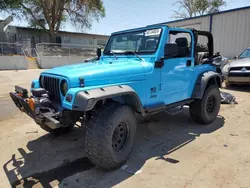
[[120, 136], [210, 104]]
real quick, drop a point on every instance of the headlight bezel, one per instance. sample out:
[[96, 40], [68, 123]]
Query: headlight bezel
[[226, 68], [64, 87]]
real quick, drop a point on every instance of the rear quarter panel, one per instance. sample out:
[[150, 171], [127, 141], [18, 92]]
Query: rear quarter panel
[[198, 70]]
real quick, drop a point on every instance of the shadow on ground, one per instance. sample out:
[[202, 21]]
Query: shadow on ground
[[52, 160]]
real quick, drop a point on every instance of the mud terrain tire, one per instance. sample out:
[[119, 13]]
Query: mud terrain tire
[[206, 109], [110, 135]]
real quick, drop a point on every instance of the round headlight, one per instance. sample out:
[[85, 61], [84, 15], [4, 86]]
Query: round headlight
[[64, 87]]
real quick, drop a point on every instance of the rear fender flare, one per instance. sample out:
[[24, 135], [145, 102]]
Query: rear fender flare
[[203, 81]]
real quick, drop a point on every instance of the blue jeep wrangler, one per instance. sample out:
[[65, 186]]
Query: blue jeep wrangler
[[141, 71]]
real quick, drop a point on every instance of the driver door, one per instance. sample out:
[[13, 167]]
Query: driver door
[[177, 71]]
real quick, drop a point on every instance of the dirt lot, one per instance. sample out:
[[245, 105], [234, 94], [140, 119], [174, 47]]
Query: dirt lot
[[170, 151]]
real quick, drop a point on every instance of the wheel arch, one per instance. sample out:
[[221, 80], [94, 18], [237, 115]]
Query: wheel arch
[[86, 100], [205, 80]]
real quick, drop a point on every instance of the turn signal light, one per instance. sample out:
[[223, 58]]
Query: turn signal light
[[69, 98], [31, 102]]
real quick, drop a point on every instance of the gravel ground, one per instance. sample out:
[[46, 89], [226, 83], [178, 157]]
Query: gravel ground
[[170, 151]]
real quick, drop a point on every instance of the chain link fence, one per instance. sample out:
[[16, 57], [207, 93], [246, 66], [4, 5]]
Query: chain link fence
[[55, 49], [12, 56], [50, 55], [10, 49], [45, 55]]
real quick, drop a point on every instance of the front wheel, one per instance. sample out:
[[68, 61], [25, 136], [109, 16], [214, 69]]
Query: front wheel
[[205, 110], [110, 135]]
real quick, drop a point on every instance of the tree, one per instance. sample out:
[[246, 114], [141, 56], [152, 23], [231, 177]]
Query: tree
[[50, 15], [4, 4], [191, 8]]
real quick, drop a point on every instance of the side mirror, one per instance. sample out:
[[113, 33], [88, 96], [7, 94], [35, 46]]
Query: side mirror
[[170, 50], [235, 57], [98, 52]]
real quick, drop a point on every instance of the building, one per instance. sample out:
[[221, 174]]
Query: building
[[17, 34], [231, 29]]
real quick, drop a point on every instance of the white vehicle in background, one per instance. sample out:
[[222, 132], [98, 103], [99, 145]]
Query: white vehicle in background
[[238, 71]]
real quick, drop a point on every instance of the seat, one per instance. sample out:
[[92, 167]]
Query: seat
[[150, 45], [200, 57], [183, 48]]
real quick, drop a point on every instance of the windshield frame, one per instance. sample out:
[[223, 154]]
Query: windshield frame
[[247, 49], [134, 31]]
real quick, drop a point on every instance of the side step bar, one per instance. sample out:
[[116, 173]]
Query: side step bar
[[173, 108]]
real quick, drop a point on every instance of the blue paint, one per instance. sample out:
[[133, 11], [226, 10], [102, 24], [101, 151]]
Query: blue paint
[[35, 84], [171, 83]]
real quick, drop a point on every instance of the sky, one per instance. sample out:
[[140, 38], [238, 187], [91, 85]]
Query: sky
[[127, 14]]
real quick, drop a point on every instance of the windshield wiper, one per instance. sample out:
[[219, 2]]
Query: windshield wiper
[[132, 52], [112, 52]]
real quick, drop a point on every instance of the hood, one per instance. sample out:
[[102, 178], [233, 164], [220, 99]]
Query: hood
[[241, 63], [103, 72]]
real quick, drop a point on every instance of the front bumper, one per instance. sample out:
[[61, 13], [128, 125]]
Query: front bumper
[[238, 77], [40, 115]]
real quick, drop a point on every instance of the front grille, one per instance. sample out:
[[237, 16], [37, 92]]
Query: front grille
[[239, 68], [52, 86], [239, 74]]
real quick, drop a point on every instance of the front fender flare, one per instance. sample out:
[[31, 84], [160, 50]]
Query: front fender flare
[[202, 82], [86, 100]]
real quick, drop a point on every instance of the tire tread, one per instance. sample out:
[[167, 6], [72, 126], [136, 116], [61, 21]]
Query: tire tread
[[196, 108], [99, 132]]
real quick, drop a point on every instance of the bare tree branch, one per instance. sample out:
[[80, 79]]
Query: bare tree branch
[[32, 15], [190, 8]]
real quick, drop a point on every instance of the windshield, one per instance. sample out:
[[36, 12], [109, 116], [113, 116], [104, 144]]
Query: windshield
[[245, 54], [140, 42]]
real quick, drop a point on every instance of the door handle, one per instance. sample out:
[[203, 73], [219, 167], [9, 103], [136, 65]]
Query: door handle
[[189, 63]]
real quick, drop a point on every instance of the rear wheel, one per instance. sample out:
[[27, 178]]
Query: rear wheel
[[205, 110], [110, 135]]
